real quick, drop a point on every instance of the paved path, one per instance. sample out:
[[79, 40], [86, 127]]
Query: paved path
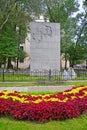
[[37, 88]]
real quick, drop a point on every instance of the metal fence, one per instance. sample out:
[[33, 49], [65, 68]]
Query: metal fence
[[30, 76], [36, 76]]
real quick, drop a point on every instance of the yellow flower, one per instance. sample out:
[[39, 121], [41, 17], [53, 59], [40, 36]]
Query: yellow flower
[[37, 101], [7, 92], [85, 93], [4, 96], [73, 97], [74, 90]]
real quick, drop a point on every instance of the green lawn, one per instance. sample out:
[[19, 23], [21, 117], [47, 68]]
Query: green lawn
[[21, 84], [8, 123], [22, 77], [76, 83]]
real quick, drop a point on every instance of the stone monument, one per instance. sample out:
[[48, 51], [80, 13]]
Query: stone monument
[[72, 73], [69, 74], [65, 75], [44, 46]]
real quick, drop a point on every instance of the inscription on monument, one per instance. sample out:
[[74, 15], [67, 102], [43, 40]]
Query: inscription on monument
[[45, 46], [41, 33]]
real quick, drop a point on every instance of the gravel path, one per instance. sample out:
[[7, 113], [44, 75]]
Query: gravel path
[[37, 88]]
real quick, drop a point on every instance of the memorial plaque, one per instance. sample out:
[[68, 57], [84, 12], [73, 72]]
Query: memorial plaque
[[45, 46]]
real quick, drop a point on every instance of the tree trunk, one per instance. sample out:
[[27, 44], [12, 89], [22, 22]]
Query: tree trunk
[[86, 63], [65, 61], [9, 65], [17, 63], [72, 64], [4, 62]]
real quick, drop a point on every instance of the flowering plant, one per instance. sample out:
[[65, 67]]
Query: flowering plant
[[68, 104]]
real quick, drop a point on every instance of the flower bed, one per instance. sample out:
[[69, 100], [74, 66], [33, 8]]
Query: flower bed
[[68, 104]]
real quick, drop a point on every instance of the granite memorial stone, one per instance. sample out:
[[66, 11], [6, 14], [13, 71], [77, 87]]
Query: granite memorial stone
[[44, 46]]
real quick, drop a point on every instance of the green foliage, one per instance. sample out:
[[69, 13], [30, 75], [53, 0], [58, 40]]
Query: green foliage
[[76, 54], [73, 29], [21, 55], [15, 16], [8, 41], [61, 11], [14, 26]]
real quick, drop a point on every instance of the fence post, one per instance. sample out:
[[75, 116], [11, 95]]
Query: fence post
[[49, 74], [3, 75], [78, 71]]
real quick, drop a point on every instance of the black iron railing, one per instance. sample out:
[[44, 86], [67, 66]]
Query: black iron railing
[[40, 76]]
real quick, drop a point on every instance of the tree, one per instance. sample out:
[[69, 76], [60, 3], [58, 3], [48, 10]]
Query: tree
[[73, 41], [14, 18], [8, 6], [61, 11], [81, 32], [14, 26]]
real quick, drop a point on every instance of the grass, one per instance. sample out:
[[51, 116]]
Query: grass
[[24, 84], [22, 77], [40, 93], [75, 83], [8, 123]]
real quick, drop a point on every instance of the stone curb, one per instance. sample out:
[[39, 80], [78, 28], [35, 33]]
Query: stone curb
[[37, 88]]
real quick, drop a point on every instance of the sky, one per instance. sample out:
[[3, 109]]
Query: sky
[[81, 2], [80, 7]]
